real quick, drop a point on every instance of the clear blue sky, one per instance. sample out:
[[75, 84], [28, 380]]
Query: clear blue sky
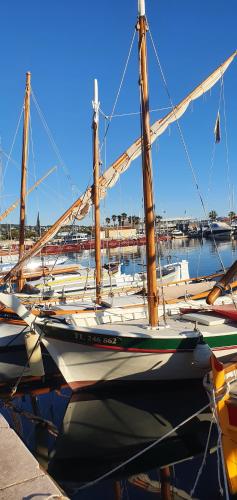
[[66, 44]]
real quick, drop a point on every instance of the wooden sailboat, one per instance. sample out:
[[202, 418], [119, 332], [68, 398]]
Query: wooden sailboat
[[132, 349], [23, 191], [92, 279]]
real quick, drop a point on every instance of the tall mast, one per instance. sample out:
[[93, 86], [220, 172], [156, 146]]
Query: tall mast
[[23, 175], [96, 192], [147, 171]]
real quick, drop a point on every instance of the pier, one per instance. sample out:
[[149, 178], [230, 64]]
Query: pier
[[21, 475]]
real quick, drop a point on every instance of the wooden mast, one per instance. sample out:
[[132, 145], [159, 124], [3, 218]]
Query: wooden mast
[[96, 192], [23, 175], [147, 171]]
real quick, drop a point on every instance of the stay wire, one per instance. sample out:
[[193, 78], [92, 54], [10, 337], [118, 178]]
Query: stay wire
[[226, 146], [13, 143], [214, 145], [135, 113], [141, 452], [119, 90], [34, 162], [186, 151], [52, 142]]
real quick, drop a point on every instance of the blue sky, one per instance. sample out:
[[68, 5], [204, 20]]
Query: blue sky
[[66, 44]]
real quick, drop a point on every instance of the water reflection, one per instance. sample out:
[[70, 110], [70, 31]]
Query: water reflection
[[102, 430], [203, 255]]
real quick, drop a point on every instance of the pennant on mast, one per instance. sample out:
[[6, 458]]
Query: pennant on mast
[[217, 129], [80, 208]]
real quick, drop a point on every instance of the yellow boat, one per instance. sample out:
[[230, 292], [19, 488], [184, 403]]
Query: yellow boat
[[225, 390]]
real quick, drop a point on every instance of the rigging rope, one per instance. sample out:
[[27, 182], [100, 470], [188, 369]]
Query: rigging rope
[[214, 145], [119, 89], [203, 460], [226, 147], [186, 151], [33, 159], [52, 142], [108, 117], [13, 143], [139, 453]]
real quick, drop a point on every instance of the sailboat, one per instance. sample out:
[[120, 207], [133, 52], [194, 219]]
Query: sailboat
[[137, 349]]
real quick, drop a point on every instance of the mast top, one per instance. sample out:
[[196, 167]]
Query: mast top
[[95, 102], [95, 91], [141, 8]]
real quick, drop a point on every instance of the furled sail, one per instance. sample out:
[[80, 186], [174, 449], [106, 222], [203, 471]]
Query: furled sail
[[80, 208], [35, 185]]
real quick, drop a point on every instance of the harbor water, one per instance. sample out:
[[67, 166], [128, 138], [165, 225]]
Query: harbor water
[[126, 443], [205, 256]]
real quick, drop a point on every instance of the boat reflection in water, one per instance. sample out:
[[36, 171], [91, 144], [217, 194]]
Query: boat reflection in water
[[101, 430]]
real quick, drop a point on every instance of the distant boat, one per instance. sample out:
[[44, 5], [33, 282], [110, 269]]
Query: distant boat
[[35, 263], [220, 230], [176, 233]]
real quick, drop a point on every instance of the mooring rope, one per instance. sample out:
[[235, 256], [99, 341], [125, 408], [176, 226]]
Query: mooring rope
[[147, 448]]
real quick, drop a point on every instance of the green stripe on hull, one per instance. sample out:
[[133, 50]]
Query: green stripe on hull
[[149, 344]]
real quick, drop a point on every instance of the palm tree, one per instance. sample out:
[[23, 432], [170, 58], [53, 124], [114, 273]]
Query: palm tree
[[137, 220], [119, 219], [231, 215], [114, 218], [107, 220], [124, 217], [133, 219], [212, 215], [129, 219]]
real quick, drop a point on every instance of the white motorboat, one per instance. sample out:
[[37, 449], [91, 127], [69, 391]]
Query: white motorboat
[[218, 230]]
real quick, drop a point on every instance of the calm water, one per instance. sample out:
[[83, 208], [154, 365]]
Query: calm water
[[100, 430], [204, 256], [97, 431]]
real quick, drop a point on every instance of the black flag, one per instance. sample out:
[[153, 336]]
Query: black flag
[[217, 129]]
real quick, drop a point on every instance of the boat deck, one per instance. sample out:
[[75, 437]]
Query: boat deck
[[175, 326]]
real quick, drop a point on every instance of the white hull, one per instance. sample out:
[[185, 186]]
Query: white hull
[[82, 365], [35, 263], [114, 352], [86, 280]]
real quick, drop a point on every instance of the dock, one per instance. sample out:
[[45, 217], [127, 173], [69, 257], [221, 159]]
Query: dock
[[21, 475]]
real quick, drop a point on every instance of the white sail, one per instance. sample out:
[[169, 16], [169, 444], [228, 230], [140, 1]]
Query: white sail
[[80, 208]]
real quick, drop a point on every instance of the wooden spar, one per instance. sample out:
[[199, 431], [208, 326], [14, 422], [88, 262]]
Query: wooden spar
[[126, 158], [166, 490], [222, 284], [147, 174], [16, 203], [96, 192], [23, 175], [117, 490]]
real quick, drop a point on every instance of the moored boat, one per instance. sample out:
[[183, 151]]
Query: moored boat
[[218, 230], [137, 349]]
